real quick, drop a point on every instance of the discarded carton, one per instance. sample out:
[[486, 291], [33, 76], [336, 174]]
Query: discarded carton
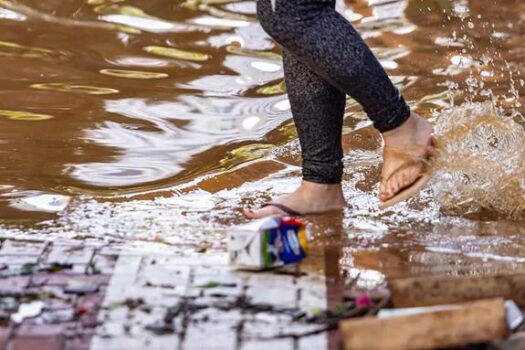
[[266, 243], [437, 327]]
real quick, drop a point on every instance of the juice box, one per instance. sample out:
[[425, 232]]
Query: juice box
[[266, 243]]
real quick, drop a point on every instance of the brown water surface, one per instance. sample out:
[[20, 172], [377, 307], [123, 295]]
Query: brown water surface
[[160, 119]]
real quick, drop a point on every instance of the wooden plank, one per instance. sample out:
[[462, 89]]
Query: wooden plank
[[426, 291], [466, 323]]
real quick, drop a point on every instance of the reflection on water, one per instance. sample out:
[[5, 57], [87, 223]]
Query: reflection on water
[[161, 118]]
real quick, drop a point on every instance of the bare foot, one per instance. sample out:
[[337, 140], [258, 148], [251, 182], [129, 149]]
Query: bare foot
[[411, 139], [309, 198]]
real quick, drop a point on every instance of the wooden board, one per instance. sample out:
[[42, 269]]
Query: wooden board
[[425, 291], [467, 323]]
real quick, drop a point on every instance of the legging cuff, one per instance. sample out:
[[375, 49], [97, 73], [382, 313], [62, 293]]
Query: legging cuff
[[396, 113], [323, 172]]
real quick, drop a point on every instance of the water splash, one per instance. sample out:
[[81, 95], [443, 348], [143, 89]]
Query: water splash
[[480, 161]]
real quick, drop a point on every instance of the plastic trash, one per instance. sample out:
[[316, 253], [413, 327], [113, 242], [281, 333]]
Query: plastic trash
[[267, 242], [364, 301], [410, 311], [79, 287], [58, 316], [45, 202], [514, 315], [27, 310]]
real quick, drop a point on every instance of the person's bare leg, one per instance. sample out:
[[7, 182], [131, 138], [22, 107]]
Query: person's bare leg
[[309, 198], [318, 110], [416, 131], [334, 61], [317, 198]]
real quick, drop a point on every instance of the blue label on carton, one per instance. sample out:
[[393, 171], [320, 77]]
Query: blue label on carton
[[285, 244], [291, 249]]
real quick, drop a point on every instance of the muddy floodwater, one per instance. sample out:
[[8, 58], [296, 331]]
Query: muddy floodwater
[[131, 121]]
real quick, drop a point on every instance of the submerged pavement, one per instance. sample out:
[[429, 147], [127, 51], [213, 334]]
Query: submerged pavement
[[96, 296]]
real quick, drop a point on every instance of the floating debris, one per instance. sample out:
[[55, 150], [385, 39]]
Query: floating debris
[[8, 306], [23, 115], [176, 53], [161, 327], [268, 242], [67, 87], [24, 270], [79, 287], [133, 74], [58, 316], [27, 311], [276, 89], [215, 284], [45, 202]]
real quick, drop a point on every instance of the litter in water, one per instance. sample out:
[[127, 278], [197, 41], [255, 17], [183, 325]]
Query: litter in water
[[44, 202], [78, 287], [27, 310], [268, 242]]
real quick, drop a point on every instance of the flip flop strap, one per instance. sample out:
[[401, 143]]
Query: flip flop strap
[[411, 161], [282, 207], [409, 164]]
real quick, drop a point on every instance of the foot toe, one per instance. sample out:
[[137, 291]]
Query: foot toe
[[398, 182], [263, 212]]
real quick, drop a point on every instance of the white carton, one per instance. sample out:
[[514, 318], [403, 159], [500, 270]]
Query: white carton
[[247, 244]]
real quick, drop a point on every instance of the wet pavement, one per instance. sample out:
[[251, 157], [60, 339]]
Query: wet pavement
[[69, 279], [134, 132], [96, 296]]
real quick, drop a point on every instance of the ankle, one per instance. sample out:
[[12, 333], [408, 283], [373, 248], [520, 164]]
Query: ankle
[[316, 191], [415, 128], [409, 126], [314, 186]]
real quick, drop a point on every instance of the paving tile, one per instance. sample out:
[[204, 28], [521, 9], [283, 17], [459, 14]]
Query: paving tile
[[78, 343], [123, 278], [273, 344], [12, 247], [318, 341], [215, 315], [164, 271], [312, 292], [270, 289], [210, 336], [5, 333], [44, 337], [91, 301], [15, 285], [104, 263], [68, 254], [164, 280], [14, 261], [139, 319], [110, 250], [89, 320], [49, 343], [222, 282], [159, 342], [62, 278], [255, 330]]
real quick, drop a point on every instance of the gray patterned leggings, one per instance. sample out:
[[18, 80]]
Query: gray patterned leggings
[[325, 59]]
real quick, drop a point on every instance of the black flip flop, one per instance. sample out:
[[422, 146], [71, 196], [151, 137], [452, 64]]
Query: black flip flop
[[282, 207]]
